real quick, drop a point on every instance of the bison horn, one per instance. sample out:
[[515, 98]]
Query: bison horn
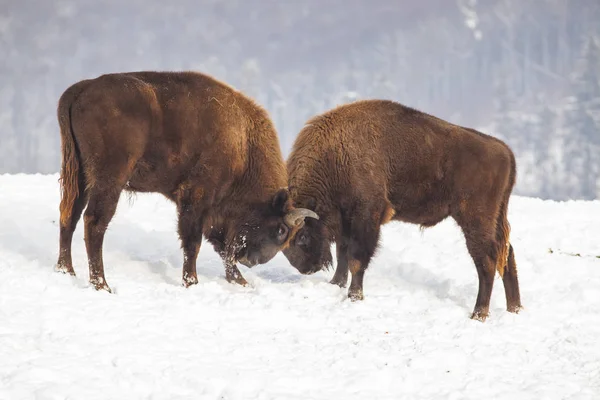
[[297, 215]]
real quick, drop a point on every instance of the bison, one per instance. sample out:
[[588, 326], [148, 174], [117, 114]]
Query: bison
[[363, 164], [197, 141]]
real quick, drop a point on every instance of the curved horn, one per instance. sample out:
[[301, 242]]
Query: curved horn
[[297, 215]]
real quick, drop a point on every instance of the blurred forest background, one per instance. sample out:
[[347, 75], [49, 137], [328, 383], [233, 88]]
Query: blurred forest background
[[526, 71]]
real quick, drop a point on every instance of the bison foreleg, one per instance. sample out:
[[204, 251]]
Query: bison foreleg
[[340, 277], [361, 236], [227, 253], [190, 234], [355, 292], [191, 248], [233, 274]]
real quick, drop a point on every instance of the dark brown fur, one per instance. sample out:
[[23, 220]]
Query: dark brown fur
[[366, 163], [202, 144]]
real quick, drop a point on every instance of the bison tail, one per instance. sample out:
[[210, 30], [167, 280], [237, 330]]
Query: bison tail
[[71, 173], [502, 239], [503, 226]]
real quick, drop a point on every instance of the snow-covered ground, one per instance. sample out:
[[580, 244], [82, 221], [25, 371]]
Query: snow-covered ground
[[290, 336]]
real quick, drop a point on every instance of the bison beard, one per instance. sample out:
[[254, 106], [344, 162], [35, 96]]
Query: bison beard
[[363, 164], [203, 145]]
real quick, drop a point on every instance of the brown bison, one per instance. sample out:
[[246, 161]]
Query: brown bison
[[365, 163], [200, 143]]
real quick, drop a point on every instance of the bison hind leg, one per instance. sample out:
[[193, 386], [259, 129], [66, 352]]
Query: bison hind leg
[[69, 217], [482, 246], [484, 254], [104, 192], [506, 265], [101, 208], [511, 284]]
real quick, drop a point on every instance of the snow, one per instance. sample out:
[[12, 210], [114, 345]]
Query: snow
[[289, 336]]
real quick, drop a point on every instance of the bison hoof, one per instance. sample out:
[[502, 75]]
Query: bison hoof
[[338, 281], [238, 279], [514, 309], [479, 316], [100, 284], [64, 269], [356, 294], [189, 280]]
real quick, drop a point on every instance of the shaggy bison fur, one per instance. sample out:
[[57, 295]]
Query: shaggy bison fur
[[366, 163], [203, 145]]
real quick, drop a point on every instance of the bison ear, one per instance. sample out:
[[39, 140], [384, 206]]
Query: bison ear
[[281, 200]]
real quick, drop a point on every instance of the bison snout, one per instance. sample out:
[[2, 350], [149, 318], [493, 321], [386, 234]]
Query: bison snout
[[308, 269], [253, 259]]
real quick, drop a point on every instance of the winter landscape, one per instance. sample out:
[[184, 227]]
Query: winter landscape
[[524, 71], [289, 336]]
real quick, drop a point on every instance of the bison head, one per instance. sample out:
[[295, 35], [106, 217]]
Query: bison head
[[269, 229], [309, 250]]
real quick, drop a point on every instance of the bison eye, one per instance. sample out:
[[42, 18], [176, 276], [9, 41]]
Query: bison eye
[[282, 233], [302, 239]]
